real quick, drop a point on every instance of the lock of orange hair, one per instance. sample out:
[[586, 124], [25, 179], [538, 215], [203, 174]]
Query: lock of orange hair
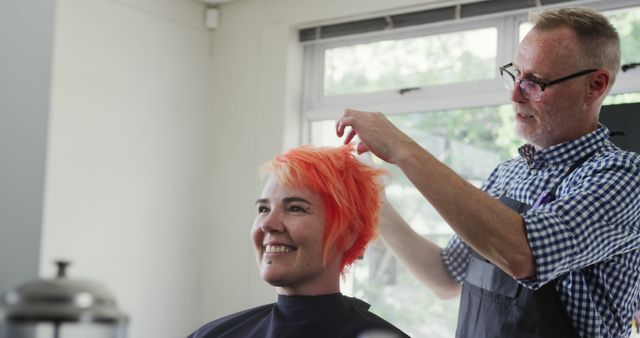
[[349, 188]]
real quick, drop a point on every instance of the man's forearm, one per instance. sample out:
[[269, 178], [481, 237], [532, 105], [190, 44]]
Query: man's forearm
[[491, 228]]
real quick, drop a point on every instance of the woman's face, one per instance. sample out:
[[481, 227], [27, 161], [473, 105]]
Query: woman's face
[[287, 234]]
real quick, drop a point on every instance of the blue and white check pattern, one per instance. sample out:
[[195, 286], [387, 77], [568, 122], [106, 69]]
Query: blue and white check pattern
[[588, 238]]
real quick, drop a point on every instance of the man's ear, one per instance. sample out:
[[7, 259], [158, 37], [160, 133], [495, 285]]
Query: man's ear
[[598, 85]]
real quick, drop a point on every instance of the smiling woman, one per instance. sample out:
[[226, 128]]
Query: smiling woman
[[316, 214]]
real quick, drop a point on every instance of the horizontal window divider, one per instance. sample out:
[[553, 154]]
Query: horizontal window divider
[[491, 94]]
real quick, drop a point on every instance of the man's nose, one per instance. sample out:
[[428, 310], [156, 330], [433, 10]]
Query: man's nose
[[516, 93]]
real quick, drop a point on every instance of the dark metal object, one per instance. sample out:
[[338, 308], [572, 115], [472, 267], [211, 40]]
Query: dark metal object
[[60, 301], [628, 66]]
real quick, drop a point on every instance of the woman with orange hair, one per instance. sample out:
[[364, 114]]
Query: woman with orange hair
[[316, 214]]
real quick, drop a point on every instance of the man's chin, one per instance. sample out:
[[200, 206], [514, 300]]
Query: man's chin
[[528, 136]]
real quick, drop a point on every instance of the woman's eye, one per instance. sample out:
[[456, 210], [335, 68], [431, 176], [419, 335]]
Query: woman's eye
[[297, 208], [262, 209]]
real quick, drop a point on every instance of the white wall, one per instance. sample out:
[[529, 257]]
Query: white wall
[[25, 64], [127, 155], [256, 87]]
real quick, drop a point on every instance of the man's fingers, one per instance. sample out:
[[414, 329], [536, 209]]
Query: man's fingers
[[350, 136], [342, 124], [339, 128], [361, 148]]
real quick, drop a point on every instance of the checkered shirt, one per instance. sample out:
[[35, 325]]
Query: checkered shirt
[[587, 239]]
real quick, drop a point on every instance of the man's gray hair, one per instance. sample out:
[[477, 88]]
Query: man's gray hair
[[599, 39]]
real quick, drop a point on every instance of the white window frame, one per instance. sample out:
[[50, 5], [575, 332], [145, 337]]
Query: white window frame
[[489, 92]]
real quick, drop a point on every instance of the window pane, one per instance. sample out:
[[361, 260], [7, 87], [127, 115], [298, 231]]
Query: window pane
[[525, 27], [622, 98], [323, 133], [414, 62], [627, 22], [472, 142]]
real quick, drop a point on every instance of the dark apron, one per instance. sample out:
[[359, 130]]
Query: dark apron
[[493, 304]]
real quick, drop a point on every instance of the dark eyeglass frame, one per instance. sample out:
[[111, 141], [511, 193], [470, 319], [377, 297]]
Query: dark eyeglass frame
[[544, 84]]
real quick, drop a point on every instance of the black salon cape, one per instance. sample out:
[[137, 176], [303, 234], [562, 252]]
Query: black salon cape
[[326, 316]]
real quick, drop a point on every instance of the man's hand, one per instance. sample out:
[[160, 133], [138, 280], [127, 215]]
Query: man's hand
[[377, 134]]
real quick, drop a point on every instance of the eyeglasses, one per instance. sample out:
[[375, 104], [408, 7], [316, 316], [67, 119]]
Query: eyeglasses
[[533, 88]]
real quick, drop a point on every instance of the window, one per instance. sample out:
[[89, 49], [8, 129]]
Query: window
[[411, 62], [439, 84]]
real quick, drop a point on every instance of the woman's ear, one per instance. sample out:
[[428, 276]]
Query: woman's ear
[[346, 242], [351, 239]]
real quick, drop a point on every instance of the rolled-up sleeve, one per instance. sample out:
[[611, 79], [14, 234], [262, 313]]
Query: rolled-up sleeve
[[594, 218], [455, 257]]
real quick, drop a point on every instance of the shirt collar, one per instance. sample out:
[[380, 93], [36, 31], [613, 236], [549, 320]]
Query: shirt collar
[[564, 153]]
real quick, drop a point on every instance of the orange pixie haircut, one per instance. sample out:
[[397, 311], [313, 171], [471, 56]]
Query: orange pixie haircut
[[349, 188]]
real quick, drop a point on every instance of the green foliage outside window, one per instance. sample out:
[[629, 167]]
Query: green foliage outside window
[[413, 62], [627, 23]]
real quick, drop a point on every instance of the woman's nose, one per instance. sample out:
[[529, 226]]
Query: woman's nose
[[273, 222]]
